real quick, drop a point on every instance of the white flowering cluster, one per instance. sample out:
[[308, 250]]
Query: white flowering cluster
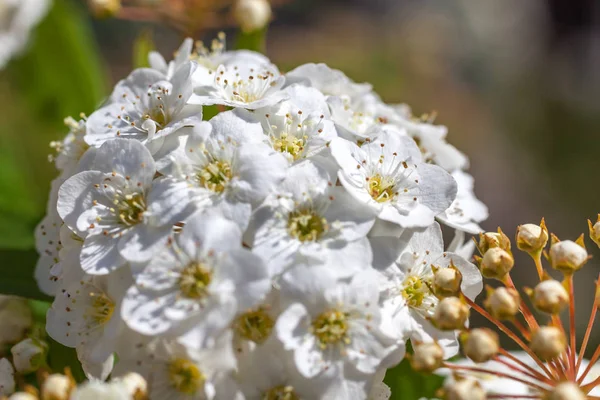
[[287, 248]]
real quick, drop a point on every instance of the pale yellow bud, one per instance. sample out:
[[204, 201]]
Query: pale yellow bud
[[548, 342], [496, 263], [450, 314], [427, 357], [22, 396], [595, 231], [567, 256], [446, 282], [57, 387], [29, 355], [550, 296], [252, 15], [104, 8], [566, 391], [503, 303], [532, 238], [136, 385], [465, 389], [481, 345]]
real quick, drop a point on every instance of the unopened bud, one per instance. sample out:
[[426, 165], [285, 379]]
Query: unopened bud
[[450, 314], [595, 231], [481, 345], [532, 238], [7, 378], [57, 387], [489, 240], [548, 342], [427, 357], [567, 256], [446, 281], [29, 355], [566, 391], [464, 389], [104, 8], [22, 396], [136, 385], [252, 15], [496, 263], [550, 296], [503, 303]]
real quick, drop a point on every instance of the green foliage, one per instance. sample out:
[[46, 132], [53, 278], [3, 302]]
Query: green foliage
[[255, 41], [17, 274], [142, 46]]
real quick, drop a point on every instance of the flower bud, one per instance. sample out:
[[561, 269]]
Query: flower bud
[[464, 389], [550, 296], [503, 303], [532, 238], [548, 342], [481, 344], [566, 391], [136, 385], [7, 378], [567, 256], [446, 281], [104, 8], [252, 15], [22, 396], [450, 314], [496, 263], [16, 319], [595, 231], [57, 387], [29, 355], [490, 240], [427, 357]]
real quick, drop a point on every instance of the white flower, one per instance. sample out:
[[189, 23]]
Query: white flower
[[146, 107], [299, 128], [406, 296], [253, 326], [17, 19], [118, 209], [93, 390], [244, 82], [29, 355], [331, 82], [333, 326], [309, 217], [182, 56], [224, 164], [16, 318], [198, 283], [430, 138], [7, 378], [466, 211], [72, 148], [86, 316], [270, 373], [387, 175], [176, 369]]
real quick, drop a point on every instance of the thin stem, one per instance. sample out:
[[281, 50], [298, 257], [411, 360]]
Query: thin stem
[[511, 396], [537, 259], [524, 332], [508, 355], [527, 314], [496, 373], [522, 371], [590, 365], [588, 331], [510, 334], [589, 386], [573, 346]]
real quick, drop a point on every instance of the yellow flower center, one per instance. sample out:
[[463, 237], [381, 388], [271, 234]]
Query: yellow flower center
[[331, 327], [281, 393], [130, 208], [381, 188], [185, 376], [102, 308], [215, 176], [255, 325], [305, 225], [414, 290], [194, 280], [290, 144]]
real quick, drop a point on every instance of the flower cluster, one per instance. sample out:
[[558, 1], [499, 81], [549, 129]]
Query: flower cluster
[[548, 365], [286, 248]]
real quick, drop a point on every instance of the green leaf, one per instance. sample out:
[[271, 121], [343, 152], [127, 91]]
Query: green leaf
[[406, 384], [61, 357], [16, 271], [142, 46], [255, 41]]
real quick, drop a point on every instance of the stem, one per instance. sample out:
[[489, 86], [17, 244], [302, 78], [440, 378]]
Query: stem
[[588, 331], [589, 386], [527, 314], [524, 332], [573, 346], [522, 371], [496, 373], [510, 334], [590, 365], [539, 375], [538, 264], [512, 396]]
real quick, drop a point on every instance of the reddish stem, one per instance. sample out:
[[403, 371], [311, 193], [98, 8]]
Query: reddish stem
[[590, 365], [588, 331], [522, 371], [573, 346], [508, 355], [495, 373]]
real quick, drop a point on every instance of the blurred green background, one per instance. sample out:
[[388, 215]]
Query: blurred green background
[[516, 82]]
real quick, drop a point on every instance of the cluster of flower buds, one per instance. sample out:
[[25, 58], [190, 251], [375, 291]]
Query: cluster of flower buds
[[549, 365], [287, 247]]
